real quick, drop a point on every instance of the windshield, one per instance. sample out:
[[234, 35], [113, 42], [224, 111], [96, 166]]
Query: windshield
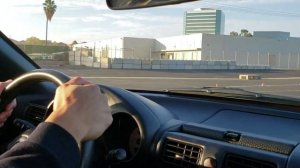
[[245, 44]]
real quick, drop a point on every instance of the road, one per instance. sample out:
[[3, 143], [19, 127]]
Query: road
[[285, 83]]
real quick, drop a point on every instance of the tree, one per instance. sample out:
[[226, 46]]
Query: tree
[[245, 33], [49, 9], [73, 43], [33, 41], [233, 33]]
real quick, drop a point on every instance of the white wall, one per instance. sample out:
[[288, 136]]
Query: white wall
[[105, 48], [185, 42], [252, 50], [137, 48], [184, 47], [283, 54]]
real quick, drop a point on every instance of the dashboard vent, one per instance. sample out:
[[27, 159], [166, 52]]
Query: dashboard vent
[[36, 113], [182, 154], [236, 161]]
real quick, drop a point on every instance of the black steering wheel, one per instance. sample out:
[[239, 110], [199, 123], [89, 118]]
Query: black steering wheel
[[41, 75]]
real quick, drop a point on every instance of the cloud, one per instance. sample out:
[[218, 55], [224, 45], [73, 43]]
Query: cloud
[[89, 20], [127, 24], [114, 16], [263, 25], [93, 19], [15, 3], [65, 19], [238, 2], [94, 4], [144, 17]]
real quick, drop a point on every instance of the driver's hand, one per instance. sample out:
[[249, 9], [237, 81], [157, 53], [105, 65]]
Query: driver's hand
[[81, 109], [9, 108]]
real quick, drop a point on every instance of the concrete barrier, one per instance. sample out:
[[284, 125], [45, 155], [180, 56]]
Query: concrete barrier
[[249, 77], [118, 63], [96, 65]]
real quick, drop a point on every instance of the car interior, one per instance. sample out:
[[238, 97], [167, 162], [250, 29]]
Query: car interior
[[157, 128]]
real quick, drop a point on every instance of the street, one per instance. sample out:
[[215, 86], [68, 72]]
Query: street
[[284, 83]]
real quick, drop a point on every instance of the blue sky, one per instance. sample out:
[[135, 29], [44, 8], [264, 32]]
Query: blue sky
[[90, 20]]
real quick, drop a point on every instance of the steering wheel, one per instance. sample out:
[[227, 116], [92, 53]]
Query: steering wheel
[[40, 75]]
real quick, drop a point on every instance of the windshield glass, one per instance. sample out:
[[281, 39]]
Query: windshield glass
[[246, 44]]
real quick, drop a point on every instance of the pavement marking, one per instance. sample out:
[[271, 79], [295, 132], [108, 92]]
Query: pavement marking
[[263, 85], [71, 70], [279, 91], [156, 78], [285, 78], [176, 78], [282, 91]]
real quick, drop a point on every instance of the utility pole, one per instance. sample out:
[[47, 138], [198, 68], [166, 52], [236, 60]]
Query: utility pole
[[247, 58], [258, 58], [223, 55], [289, 59], [150, 54], [279, 60], [235, 56], [298, 61]]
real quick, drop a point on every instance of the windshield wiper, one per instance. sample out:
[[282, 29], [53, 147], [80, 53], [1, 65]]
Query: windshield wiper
[[218, 90], [236, 93]]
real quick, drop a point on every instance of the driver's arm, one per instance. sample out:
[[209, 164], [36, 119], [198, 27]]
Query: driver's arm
[[80, 113]]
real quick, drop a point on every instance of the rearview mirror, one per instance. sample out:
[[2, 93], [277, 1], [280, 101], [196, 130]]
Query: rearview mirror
[[133, 4]]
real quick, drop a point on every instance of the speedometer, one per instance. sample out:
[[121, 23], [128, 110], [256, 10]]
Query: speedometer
[[134, 141], [124, 133]]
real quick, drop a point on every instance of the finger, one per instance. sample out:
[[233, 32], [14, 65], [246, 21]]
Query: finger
[[4, 115], [78, 81], [7, 114], [11, 105], [4, 84]]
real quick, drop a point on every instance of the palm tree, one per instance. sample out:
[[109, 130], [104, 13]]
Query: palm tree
[[49, 9]]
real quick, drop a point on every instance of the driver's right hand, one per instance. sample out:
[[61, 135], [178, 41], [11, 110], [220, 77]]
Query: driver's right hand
[[81, 109]]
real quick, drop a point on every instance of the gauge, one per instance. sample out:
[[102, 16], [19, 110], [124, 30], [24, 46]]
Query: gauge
[[124, 133], [134, 141]]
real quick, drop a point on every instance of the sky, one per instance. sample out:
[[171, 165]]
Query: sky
[[91, 20]]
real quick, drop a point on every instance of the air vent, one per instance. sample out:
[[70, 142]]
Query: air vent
[[36, 113], [236, 161], [182, 154]]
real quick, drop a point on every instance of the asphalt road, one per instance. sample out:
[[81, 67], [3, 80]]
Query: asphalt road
[[285, 83]]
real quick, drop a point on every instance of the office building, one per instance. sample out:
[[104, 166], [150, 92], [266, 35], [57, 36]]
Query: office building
[[208, 21]]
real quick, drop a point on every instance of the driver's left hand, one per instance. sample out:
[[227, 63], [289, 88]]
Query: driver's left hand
[[9, 108]]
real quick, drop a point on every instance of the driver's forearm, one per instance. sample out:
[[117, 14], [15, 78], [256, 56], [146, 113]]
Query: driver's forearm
[[48, 146]]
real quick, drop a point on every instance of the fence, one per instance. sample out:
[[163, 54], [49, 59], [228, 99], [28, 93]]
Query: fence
[[40, 52], [31, 49], [241, 58], [119, 63], [279, 60]]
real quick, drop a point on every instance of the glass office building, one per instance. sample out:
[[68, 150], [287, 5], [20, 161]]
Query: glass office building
[[209, 21]]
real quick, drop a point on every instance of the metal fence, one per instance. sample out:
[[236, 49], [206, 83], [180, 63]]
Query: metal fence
[[249, 58]]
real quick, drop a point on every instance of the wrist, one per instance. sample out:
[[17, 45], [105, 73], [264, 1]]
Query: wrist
[[69, 123]]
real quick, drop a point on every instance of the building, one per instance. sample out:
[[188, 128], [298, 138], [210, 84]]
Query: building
[[209, 21], [279, 54], [277, 35], [263, 49], [124, 47]]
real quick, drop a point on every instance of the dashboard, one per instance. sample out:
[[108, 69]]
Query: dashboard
[[227, 134], [158, 129]]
